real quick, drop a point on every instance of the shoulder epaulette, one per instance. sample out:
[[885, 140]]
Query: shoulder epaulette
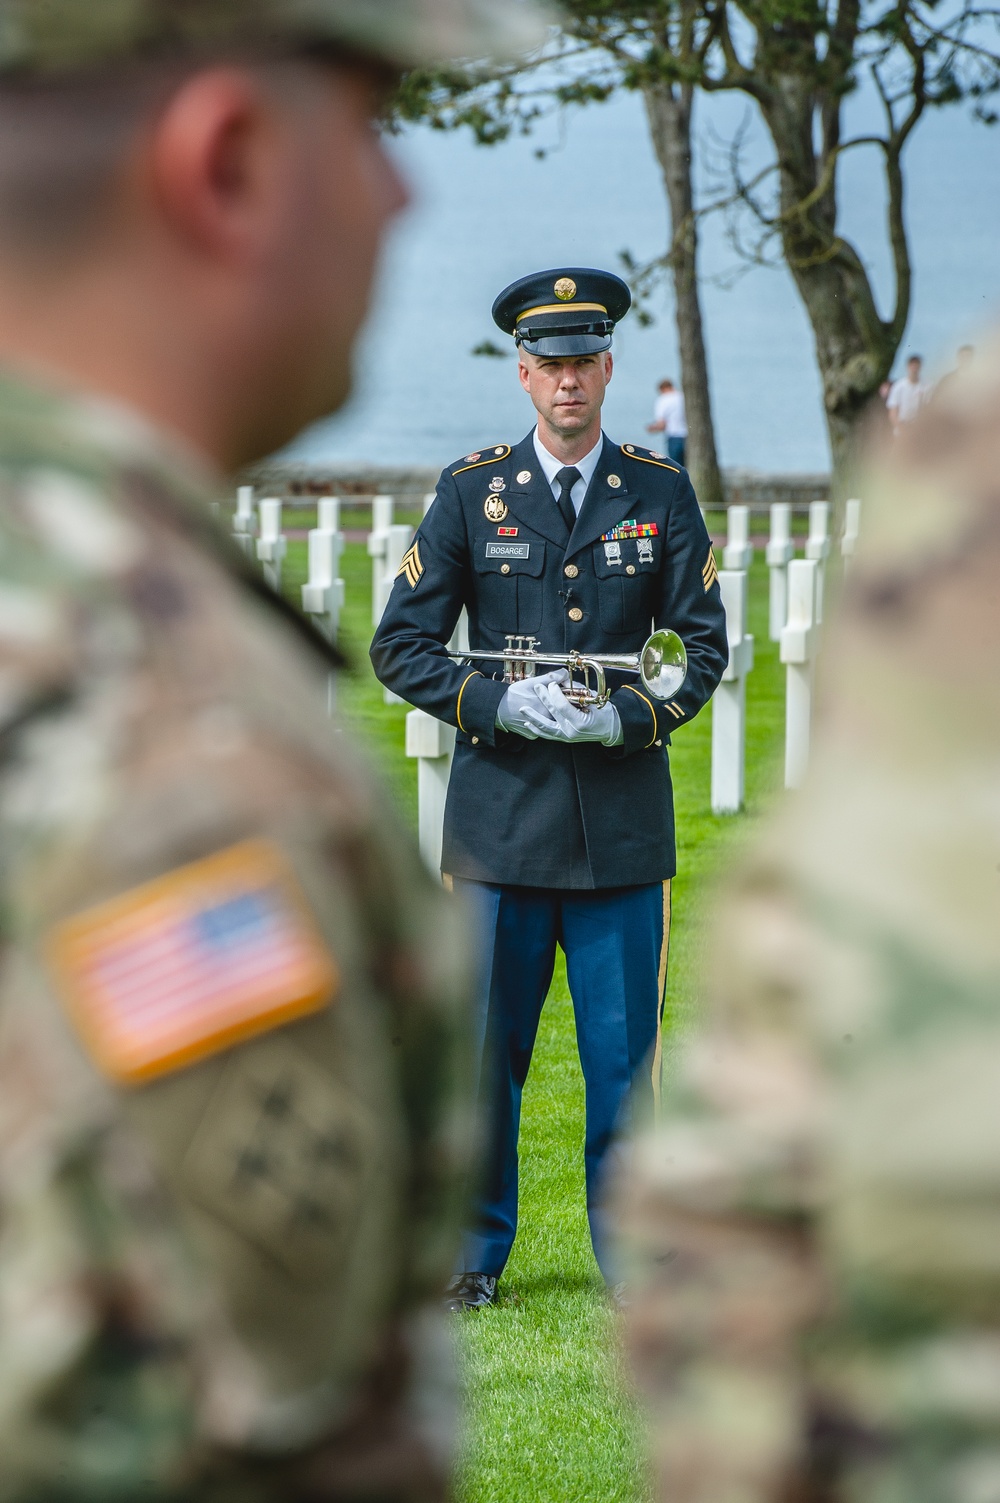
[[486, 456], [649, 457]]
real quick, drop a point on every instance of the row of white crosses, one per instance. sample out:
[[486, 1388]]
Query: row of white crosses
[[795, 614], [257, 527], [430, 741]]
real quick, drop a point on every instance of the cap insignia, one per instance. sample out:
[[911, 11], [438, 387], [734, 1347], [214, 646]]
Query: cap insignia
[[495, 509], [614, 481], [565, 289]]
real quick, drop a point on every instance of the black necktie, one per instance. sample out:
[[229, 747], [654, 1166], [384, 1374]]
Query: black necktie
[[567, 478]]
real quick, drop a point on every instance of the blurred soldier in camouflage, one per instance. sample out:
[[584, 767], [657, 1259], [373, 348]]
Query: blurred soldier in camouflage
[[232, 1087], [814, 1235]]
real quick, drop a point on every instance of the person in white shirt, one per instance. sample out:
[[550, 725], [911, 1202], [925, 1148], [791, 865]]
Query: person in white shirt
[[670, 419], [907, 395]]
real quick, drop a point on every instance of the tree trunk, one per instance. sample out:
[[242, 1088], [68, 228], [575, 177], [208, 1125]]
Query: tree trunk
[[669, 110], [855, 347]]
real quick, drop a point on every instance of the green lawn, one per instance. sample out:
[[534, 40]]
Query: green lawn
[[547, 1418]]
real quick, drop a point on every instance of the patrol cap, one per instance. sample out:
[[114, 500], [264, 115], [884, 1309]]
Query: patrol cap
[[45, 38], [571, 310]]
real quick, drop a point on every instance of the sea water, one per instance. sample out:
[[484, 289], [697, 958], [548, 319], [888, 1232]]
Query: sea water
[[483, 216]]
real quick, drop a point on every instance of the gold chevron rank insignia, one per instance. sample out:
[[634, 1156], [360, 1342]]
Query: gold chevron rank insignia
[[710, 573], [411, 566]]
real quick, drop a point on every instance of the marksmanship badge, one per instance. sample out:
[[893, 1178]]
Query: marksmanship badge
[[495, 509], [613, 553]]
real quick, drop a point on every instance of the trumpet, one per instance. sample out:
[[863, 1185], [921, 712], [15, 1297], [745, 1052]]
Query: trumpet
[[662, 666]]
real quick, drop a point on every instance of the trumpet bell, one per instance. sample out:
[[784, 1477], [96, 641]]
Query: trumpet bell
[[663, 664]]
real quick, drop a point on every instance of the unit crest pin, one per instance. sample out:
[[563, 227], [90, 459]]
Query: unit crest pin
[[495, 509], [471, 458]]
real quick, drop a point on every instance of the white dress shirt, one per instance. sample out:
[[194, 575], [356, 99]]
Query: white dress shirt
[[551, 467]]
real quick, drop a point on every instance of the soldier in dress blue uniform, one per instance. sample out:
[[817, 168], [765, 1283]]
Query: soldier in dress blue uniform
[[558, 819]]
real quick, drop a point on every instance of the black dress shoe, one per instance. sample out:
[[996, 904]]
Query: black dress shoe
[[470, 1291]]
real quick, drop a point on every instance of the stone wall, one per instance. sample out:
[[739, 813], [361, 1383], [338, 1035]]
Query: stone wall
[[409, 483]]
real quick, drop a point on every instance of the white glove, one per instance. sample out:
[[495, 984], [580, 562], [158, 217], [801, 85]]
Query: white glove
[[565, 722], [526, 695]]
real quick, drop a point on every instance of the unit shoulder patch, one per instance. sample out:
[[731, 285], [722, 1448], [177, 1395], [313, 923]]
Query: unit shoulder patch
[[192, 963], [633, 451], [485, 456], [411, 567]]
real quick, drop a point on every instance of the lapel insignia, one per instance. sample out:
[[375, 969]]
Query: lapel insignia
[[523, 476], [506, 532], [709, 573], [498, 483], [495, 509], [614, 481], [613, 553]]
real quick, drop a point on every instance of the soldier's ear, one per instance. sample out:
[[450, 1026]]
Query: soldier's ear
[[523, 370], [214, 158]]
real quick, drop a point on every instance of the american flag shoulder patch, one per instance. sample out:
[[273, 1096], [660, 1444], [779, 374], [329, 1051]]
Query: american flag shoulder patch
[[192, 963], [709, 573], [411, 568]]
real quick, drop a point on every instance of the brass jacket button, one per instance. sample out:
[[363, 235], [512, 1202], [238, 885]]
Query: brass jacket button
[[505, 568], [571, 571], [475, 741], [576, 614], [630, 568]]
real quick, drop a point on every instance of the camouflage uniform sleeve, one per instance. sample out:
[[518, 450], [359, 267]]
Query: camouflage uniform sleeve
[[218, 1276], [813, 1233], [717, 1223]]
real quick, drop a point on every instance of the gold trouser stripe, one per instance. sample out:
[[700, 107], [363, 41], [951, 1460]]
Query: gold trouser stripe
[[563, 308], [447, 881], [661, 982], [458, 705], [651, 711]]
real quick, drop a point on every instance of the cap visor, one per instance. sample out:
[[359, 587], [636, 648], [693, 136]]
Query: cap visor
[[415, 33], [567, 344]]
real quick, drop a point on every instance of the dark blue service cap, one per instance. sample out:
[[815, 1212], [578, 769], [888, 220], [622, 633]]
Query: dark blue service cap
[[571, 310]]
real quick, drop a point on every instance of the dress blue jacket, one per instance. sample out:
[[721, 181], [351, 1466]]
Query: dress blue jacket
[[541, 813]]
